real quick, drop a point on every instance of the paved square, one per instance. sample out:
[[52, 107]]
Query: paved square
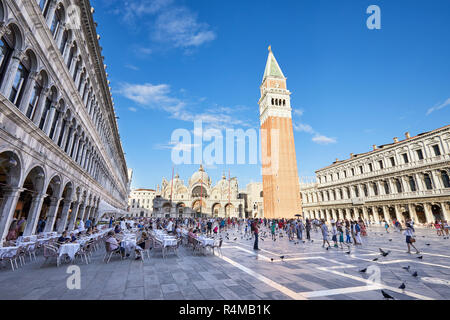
[[307, 271]]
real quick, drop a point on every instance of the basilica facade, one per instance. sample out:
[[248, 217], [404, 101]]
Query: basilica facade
[[404, 179], [199, 197], [60, 152]]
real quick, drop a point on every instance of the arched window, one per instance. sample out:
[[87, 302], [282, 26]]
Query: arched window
[[65, 38], [398, 185], [55, 27], [445, 179], [284, 102], [48, 103], [427, 179], [412, 184], [20, 80], [6, 45], [273, 102], [44, 5], [71, 55]]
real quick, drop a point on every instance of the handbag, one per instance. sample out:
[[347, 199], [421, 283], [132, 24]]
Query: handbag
[[412, 240]]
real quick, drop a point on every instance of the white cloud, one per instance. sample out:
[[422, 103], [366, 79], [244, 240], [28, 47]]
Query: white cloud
[[439, 106], [303, 127], [133, 109], [177, 146], [321, 139], [132, 67], [167, 22]]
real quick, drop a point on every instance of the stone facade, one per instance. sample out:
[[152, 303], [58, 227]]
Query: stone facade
[[198, 198], [254, 201], [279, 163], [60, 150], [400, 180], [140, 202]]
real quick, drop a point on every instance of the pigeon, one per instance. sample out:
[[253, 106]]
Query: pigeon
[[328, 248], [427, 244], [304, 241], [384, 253], [348, 252], [390, 239], [415, 274], [386, 295], [376, 259], [271, 259], [235, 239], [312, 240], [407, 268], [402, 286], [281, 257], [421, 257], [363, 270], [262, 239]]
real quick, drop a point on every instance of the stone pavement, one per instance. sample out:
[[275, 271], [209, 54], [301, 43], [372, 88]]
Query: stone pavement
[[307, 271]]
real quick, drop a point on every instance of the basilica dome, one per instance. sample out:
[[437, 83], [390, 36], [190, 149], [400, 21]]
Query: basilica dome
[[198, 176]]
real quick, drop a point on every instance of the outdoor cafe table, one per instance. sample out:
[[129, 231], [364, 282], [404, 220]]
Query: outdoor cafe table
[[8, 251], [205, 241], [70, 249]]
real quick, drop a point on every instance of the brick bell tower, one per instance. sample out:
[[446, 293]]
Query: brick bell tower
[[281, 187]]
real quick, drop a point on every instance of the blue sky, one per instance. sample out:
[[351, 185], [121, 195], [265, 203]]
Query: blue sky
[[170, 62]]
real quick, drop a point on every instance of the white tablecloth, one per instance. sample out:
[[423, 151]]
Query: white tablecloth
[[6, 252], [205, 241], [70, 249]]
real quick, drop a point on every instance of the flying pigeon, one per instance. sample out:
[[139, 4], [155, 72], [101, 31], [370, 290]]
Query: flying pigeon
[[386, 295], [363, 270], [402, 286]]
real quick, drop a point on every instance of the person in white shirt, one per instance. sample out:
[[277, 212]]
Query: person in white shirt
[[409, 233], [81, 226], [169, 226]]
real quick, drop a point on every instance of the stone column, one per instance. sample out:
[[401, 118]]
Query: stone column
[[413, 213], [60, 34], [73, 216], [391, 186], [7, 209], [445, 212], [27, 90], [81, 211], [386, 216], [64, 215], [75, 147], [73, 65], [428, 213], [40, 106], [398, 214], [51, 216], [33, 214], [376, 216], [435, 180], [67, 49], [10, 72], [70, 142], [365, 214], [58, 128], [419, 183], [333, 213], [49, 119]]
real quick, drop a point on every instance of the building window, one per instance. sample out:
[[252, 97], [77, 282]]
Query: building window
[[19, 84], [437, 151], [353, 172], [445, 179], [386, 188], [427, 179], [419, 154], [366, 192], [412, 184], [370, 167], [356, 192], [380, 163], [398, 185], [361, 169], [5, 53], [392, 161], [405, 158], [375, 189], [345, 174]]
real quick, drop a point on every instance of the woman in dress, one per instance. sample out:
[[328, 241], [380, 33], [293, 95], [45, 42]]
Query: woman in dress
[[409, 233]]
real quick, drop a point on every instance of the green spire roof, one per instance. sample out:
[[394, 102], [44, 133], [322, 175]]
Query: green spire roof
[[272, 70]]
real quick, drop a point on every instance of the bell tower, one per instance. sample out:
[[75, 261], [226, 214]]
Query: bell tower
[[281, 187]]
